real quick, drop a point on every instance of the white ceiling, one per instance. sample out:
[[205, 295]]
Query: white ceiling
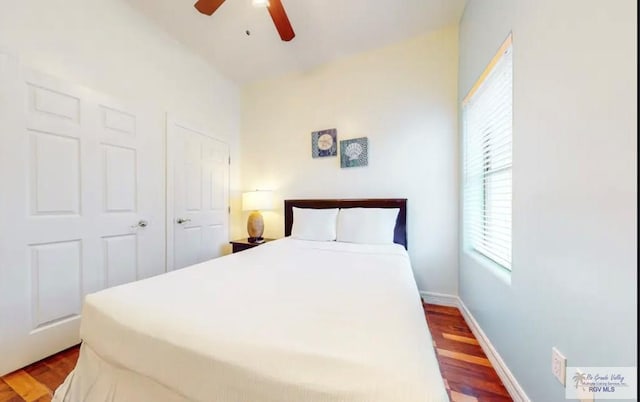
[[325, 30]]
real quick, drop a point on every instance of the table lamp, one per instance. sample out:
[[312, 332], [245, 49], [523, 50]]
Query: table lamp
[[256, 201]]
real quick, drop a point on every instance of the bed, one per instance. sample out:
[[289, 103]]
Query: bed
[[291, 320]]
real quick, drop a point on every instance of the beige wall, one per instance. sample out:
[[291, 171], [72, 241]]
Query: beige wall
[[403, 98]]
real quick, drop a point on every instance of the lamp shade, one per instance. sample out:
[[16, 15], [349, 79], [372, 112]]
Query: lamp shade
[[257, 200]]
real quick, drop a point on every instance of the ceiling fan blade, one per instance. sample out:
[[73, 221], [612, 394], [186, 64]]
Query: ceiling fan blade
[[208, 7], [280, 19]]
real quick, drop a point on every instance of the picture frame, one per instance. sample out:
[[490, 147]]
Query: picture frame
[[324, 143], [354, 152]]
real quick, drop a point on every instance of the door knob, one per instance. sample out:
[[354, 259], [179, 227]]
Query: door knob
[[141, 224], [181, 221]]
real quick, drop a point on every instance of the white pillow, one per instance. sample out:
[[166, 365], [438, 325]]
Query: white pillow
[[314, 224], [367, 225]]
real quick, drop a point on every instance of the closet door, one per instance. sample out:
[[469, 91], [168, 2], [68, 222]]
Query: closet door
[[198, 195], [81, 206]]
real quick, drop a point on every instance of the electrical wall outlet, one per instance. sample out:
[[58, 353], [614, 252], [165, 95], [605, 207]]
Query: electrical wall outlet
[[558, 365]]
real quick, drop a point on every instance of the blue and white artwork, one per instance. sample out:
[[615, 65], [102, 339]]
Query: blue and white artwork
[[324, 143], [354, 152]]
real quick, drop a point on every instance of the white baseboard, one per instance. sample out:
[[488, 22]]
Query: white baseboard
[[507, 378], [441, 299]]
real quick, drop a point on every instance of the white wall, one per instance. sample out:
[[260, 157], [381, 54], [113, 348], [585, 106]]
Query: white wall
[[403, 98], [108, 46], [574, 280]]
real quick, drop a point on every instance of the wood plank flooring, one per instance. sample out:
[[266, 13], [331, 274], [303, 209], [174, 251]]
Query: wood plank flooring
[[36, 383], [467, 372]]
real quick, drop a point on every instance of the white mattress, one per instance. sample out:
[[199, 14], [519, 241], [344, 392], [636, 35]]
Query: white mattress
[[287, 321]]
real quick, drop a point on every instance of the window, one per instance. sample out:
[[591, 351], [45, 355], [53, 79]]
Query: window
[[487, 114]]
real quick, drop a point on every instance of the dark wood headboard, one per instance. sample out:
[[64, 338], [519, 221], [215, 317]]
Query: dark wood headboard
[[400, 234]]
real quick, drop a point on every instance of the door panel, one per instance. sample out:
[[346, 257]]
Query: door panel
[[119, 178], [216, 235], [56, 290], [84, 171], [55, 174], [199, 193], [121, 259]]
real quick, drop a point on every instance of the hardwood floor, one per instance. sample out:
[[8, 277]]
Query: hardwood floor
[[467, 373], [36, 383]]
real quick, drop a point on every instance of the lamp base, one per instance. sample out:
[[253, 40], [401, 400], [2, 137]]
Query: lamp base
[[256, 240], [255, 226]]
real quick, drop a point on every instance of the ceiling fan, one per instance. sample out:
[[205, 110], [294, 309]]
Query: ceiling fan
[[275, 7]]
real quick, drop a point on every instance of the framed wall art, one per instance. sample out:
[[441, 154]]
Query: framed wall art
[[324, 143], [354, 152]]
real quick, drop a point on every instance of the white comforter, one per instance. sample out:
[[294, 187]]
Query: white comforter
[[287, 321]]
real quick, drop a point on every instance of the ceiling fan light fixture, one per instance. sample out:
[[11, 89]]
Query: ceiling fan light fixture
[[274, 7]]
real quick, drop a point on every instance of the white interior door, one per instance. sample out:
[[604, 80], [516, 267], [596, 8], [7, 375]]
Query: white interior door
[[81, 206], [199, 192]]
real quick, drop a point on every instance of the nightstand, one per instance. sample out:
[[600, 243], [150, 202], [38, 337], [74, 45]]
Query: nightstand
[[243, 244]]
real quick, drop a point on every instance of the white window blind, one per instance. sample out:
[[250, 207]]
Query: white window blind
[[487, 128]]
